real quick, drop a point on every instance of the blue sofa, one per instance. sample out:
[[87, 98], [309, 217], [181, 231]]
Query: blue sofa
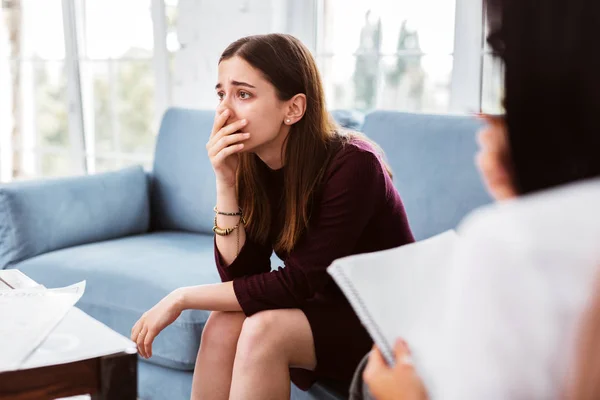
[[136, 236]]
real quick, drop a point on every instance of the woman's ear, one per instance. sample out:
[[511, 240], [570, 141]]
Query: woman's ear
[[295, 109]]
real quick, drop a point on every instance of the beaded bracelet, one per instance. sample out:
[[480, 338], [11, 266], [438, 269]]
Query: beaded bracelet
[[235, 214]]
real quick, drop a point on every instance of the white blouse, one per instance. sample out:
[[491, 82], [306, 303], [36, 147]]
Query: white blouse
[[523, 273]]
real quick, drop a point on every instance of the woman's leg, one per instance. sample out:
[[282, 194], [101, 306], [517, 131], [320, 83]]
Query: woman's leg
[[214, 365], [270, 343]]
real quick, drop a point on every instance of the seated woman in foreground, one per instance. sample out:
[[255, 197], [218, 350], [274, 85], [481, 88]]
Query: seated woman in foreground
[[287, 179]]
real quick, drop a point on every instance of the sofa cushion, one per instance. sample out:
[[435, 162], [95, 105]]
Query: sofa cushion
[[432, 158], [126, 277], [37, 217]]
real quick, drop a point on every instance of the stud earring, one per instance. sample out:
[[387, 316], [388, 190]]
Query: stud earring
[[288, 120]]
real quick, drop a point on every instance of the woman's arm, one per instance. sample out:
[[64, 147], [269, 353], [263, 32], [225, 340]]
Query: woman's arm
[[217, 297]]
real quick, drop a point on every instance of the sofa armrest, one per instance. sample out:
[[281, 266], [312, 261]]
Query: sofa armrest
[[37, 217]]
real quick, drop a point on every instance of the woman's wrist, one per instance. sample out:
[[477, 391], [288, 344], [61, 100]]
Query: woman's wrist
[[179, 299], [226, 199], [225, 188]]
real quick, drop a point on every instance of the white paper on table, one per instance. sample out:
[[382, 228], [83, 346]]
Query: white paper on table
[[78, 337], [27, 316]]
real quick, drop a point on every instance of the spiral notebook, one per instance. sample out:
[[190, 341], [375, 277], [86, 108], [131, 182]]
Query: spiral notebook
[[399, 293]]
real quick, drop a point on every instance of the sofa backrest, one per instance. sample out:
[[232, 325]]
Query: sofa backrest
[[183, 181], [41, 216], [432, 158]]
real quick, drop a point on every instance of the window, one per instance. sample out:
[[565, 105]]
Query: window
[[117, 82], [89, 80], [34, 110], [387, 54], [492, 80]]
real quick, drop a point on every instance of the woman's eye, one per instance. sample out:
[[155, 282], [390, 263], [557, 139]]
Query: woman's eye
[[244, 95], [220, 95]]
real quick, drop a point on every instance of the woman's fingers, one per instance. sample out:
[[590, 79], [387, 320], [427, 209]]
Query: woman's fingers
[[226, 142], [225, 131], [375, 367], [220, 120], [135, 331], [148, 340], [402, 353], [140, 341], [228, 151]]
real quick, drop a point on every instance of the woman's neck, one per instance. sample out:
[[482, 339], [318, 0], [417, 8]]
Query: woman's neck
[[271, 153]]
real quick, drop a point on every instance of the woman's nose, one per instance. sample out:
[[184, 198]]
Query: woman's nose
[[225, 105]]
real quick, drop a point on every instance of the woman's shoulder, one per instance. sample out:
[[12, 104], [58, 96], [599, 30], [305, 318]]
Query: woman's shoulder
[[555, 232], [356, 152], [565, 214]]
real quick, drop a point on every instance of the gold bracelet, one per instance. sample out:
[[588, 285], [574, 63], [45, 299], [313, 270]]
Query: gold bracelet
[[223, 231], [226, 231]]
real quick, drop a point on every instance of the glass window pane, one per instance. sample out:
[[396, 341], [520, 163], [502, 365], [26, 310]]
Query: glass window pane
[[116, 29], [415, 83], [119, 105], [39, 112], [55, 165], [492, 85], [98, 93], [107, 164], [387, 26], [407, 83], [42, 29], [52, 120], [135, 106]]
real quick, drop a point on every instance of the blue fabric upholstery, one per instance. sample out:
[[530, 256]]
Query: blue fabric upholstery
[[156, 382], [350, 119], [126, 277], [40, 216], [183, 190], [432, 158]]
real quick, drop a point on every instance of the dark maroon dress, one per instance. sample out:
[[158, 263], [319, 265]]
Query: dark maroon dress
[[357, 210]]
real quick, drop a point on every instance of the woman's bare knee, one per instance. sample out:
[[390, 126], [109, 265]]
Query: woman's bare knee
[[222, 330], [277, 334]]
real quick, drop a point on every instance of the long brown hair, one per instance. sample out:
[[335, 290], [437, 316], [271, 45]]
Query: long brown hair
[[289, 66]]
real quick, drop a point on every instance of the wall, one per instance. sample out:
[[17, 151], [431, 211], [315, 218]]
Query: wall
[[206, 27]]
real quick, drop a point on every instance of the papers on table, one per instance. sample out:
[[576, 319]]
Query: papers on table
[[78, 337], [28, 315]]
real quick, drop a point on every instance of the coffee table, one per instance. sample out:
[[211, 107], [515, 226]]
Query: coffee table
[[80, 356]]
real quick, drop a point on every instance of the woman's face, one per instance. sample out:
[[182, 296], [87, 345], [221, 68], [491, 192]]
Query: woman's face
[[493, 159], [243, 90]]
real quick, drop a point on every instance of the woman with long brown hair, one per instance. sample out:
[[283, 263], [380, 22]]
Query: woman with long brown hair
[[289, 180]]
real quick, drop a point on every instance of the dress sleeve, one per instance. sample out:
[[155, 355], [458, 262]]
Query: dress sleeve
[[253, 259]]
